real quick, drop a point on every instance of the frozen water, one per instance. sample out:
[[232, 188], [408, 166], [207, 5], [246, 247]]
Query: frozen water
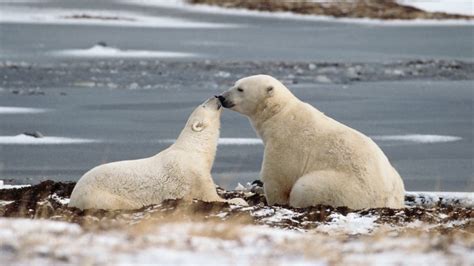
[[226, 141], [418, 138], [20, 110], [101, 51], [409, 138], [97, 17], [29, 140]]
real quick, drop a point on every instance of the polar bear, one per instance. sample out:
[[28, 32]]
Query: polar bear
[[309, 158], [182, 171]]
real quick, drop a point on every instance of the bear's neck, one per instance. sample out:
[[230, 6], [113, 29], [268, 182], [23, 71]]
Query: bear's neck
[[269, 111], [203, 144]]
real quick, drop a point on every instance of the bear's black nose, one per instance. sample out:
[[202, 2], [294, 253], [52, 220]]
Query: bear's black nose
[[221, 98]]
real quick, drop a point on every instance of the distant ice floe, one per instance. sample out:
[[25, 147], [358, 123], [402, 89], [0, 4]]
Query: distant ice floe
[[20, 110], [29, 140], [86, 17], [417, 138], [414, 138], [20, 1], [180, 4], [225, 141], [103, 51], [239, 141], [157, 3]]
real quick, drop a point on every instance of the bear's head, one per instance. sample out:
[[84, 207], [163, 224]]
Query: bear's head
[[254, 94], [206, 117]]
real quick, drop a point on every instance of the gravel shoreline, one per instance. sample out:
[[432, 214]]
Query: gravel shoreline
[[154, 74]]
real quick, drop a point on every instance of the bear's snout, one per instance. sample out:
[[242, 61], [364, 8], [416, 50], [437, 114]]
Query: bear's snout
[[221, 98], [226, 103]]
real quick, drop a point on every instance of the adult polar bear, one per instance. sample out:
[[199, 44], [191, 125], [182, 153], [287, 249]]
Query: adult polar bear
[[181, 171], [309, 158]]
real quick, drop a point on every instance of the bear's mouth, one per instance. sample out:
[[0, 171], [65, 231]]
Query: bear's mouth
[[226, 103]]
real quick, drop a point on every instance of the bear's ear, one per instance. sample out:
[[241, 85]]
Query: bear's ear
[[270, 90], [197, 126]]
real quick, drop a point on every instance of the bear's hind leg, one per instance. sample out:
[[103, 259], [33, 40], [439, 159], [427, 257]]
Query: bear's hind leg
[[323, 187], [276, 193], [96, 199]]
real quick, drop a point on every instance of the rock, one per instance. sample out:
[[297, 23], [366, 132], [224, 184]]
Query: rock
[[257, 183], [323, 79], [102, 43], [34, 134]]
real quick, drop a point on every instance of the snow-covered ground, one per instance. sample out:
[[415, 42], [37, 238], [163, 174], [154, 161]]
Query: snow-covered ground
[[345, 239], [101, 51], [6, 186], [462, 7], [16, 14], [443, 6], [432, 199], [171, 235]]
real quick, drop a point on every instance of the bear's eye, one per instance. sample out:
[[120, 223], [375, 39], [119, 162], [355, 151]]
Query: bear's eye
[[240, 89]]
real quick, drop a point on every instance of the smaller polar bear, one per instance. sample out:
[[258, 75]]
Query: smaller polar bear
[[182, 171], [309, 158]]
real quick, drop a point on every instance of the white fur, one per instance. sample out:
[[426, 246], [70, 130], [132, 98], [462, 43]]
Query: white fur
[[182, 171], [309, 158]]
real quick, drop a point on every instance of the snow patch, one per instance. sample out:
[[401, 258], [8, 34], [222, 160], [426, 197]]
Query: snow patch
[[5, 202], [20, 110], [432, 199], [5, 186], [63, 201], [29, 140], [225, 141], [51, 242], [418, 138], [101, 51], [461, 7], [20, 1], [239, 141], [351, 224], [409, 138], [157, 3]]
